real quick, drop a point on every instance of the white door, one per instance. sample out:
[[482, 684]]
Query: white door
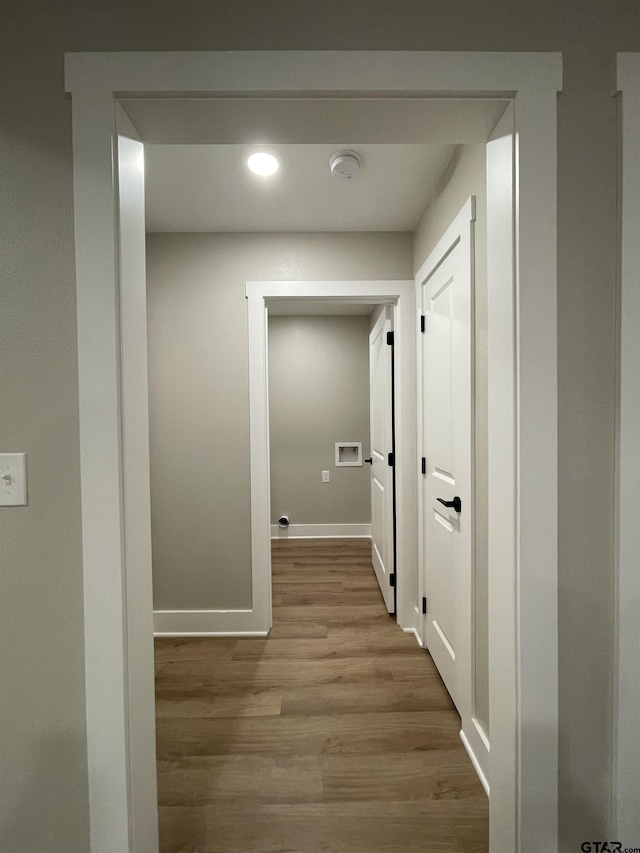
[[444, 292], [381, 428]]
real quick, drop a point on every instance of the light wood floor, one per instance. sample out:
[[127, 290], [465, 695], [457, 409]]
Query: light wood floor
[[334, 735]]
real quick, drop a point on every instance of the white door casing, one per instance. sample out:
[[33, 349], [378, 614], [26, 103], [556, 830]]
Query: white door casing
[[444, 284], [136, 507], [381, 446], [522, 348], [398, 293]]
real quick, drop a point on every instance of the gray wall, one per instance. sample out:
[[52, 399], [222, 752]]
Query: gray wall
[[466, 176], [199, 394], [318, 394], [41, 602]]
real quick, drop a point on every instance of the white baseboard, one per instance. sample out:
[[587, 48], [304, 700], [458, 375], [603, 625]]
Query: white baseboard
[[208, 623], [321, 531], [415, 634], [479, 752], [413, 629], [472, 734]]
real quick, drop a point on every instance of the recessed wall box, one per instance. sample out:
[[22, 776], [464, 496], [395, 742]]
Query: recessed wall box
[[348, 453]]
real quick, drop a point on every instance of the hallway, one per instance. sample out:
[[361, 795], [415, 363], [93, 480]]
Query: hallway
[[334, 734]]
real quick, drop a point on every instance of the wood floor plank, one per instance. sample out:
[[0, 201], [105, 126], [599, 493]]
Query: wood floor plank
[[192, 648], [361, 734], [273, 673], [196, 780], [357, 699], [316, 561], [183, 687], [299, 630], [265, 703], [327, 574], [323, 598], [310, 588], [333, 735], [385, 630], [442, 774], [336, 614], [335, 548], [318, 649], [409, 667], [386, 826]]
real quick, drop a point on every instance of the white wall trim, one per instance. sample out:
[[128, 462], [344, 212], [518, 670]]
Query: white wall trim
[[476, 742], [626, 736], [414, 632], [400, 295], [503, 563], [524, 808], [321, 531], [206, 623], [476, 764], [136, 490]]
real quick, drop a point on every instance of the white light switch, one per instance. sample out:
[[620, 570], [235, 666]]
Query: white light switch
[[325, 476], [13, 479]]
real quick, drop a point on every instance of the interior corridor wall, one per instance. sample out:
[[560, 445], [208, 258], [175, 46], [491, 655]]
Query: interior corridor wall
[[318, 395], [466, 176], [199, 395]]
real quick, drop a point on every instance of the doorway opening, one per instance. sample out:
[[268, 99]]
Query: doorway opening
[[331, 376], [395, 301], [114, 434]]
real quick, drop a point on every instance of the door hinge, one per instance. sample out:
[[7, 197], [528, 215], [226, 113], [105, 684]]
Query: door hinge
[[423, 323], [390, 460], [390, 339], [392, 579], [424, 605], [424, 465]]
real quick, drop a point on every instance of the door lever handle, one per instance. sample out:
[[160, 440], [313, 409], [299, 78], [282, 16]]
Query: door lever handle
[[456, 503], [369, 460]]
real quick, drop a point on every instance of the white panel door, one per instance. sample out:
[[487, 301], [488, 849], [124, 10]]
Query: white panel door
[[447, 440], [381, 428]]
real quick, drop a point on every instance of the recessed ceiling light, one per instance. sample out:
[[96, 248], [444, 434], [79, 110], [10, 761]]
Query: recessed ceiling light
[[263, 163]]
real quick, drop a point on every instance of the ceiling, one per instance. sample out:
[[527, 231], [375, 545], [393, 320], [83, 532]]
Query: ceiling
[[225, 121], [196, 179], [209, 188]]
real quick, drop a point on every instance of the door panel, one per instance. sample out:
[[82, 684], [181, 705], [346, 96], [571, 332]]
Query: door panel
[[381, 426], [440, 409], [447, 440]]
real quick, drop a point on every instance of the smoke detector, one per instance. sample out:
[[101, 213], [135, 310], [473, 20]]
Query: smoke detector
[[345, 164]]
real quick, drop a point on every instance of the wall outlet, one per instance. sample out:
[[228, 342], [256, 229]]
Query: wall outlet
[[325, 477]]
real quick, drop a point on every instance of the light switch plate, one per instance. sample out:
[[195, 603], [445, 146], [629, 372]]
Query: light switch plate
[[13, 479]]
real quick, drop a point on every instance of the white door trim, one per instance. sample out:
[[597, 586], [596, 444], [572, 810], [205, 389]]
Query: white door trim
[[525, 819], [626, 770], [139, 684], [400, 295]]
